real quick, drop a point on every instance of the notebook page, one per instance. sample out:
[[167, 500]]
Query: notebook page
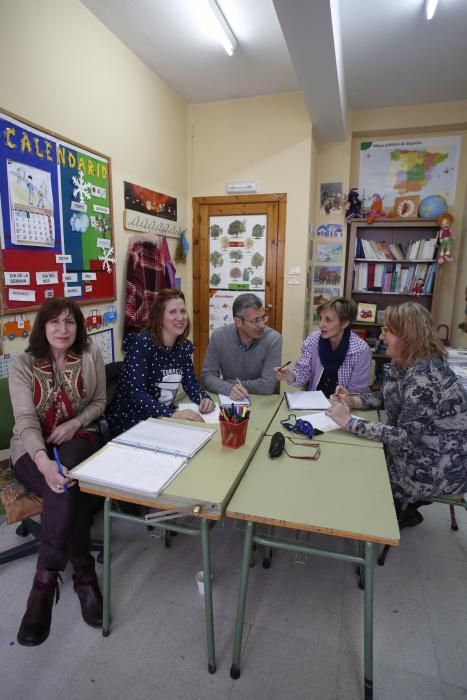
[[211, 417], [153, 434], [306, 400], [225, 400], [130, 469]]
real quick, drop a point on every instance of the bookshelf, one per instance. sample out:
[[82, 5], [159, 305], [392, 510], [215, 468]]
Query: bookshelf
[[385, 260]]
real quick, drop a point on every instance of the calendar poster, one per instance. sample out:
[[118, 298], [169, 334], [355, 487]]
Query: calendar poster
[[55, 219]]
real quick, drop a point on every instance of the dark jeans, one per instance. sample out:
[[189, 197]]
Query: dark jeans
[[66, 517]]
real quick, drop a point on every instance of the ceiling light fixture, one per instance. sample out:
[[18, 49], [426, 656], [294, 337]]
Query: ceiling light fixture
[[221, 27], [430, 8]]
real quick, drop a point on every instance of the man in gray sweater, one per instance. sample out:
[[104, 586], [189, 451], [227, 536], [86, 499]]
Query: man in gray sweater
[[240, 357]]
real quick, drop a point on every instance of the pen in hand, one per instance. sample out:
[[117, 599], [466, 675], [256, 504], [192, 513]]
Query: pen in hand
[[60, 468], [286, 364], [240, 384]]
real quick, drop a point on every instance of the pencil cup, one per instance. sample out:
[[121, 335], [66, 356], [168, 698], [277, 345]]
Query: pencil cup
[[233, 434]]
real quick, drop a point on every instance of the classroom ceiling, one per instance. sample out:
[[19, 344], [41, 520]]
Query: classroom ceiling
[[357, 54]]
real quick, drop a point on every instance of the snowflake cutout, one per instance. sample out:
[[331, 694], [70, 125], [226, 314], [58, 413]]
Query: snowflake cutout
[[82, 188], [107, 259]]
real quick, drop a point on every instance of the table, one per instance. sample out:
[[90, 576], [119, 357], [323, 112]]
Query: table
[[202, 489], [346, 493], [338, 436]]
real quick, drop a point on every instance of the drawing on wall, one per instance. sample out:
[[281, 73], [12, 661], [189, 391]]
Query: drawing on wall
[[331, 198], [55, 218], [146, 201], [327, 274], [330, 231], [329, 252], [104, 340], [237, 252], [220, 306], [419, 166], [322, 295]]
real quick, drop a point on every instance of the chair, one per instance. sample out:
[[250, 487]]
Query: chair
[[19, 503], [452, 501]]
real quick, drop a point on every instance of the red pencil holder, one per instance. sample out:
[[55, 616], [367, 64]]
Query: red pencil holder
[[233, 434]]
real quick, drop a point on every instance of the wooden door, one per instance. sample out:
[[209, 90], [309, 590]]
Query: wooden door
[[273, 206]]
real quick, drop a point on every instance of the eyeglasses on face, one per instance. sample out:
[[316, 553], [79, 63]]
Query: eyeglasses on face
[[255, 321]]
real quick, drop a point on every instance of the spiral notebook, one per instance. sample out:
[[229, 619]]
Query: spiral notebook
[[145, 458]]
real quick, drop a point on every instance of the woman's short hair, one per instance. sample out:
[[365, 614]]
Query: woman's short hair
[[346, 309], [39, 345], [414, 327], [154, 324]]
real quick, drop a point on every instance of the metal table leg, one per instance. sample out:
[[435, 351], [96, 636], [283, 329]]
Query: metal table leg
[[247, 550], [208, 595], [368, 620], [106, 587]]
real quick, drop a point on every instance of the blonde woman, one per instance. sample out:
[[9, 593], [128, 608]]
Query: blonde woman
[[425, 438]]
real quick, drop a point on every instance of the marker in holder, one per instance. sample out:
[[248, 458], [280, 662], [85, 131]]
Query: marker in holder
[[233, 421]]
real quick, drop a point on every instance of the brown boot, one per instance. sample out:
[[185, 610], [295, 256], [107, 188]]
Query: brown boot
[[90, 597], [35, 625]]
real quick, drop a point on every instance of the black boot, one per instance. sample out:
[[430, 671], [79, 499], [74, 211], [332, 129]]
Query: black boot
[[89, 594], [35, 625], [409, 517]]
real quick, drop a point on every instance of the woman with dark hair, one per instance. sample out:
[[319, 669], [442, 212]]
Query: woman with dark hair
[[57, 389], [425, 437], [332, 356], [156, 362]]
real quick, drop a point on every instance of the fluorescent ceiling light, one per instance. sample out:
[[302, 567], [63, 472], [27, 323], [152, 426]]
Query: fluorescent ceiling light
[[220, 27], [430, 8]]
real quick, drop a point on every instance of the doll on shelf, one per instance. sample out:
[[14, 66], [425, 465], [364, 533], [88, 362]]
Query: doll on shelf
[[353, 206], [418, 289], [445, 237], [376, 208]]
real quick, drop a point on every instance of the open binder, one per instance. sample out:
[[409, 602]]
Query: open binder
[[145, 458]]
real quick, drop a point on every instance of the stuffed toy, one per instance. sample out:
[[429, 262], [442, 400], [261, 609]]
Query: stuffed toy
[[376, 209], [353, 206], [445, 237]]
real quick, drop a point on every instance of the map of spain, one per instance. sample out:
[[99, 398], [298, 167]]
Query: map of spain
[[419, 166], [416, 168]]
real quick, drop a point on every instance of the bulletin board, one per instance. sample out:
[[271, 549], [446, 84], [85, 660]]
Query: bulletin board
[[55, 219]]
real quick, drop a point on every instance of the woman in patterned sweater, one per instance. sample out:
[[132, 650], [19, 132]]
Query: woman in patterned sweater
[[425, 437], [156, 362], [332, 356]]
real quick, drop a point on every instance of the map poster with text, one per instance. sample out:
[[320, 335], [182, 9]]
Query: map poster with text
[[409, 166]]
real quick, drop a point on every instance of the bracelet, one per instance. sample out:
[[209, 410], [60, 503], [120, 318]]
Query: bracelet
[[350, 424]]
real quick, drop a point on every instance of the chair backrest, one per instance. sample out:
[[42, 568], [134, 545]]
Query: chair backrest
[[7, 420], [112, 373]]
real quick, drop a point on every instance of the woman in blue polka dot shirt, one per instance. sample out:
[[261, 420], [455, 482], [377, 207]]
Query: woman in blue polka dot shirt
[[156, 362]]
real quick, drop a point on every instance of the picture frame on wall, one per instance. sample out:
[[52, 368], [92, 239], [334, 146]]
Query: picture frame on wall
[[366, 313]]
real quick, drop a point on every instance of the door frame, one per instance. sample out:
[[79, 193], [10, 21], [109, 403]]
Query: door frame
[[275, 257]]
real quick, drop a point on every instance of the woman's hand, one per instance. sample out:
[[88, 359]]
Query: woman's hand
[[206, 406], [188, 414], [49, 470], [64, 432], [284, 375], [342, 395], [339, 413]]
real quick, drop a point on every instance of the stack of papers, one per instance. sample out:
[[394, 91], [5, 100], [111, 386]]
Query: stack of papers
[[211, 417]]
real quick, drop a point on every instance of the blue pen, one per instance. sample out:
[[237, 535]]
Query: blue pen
[[60, 468]]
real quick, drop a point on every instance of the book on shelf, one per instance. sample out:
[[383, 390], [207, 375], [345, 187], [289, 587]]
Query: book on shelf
[[145, 458]]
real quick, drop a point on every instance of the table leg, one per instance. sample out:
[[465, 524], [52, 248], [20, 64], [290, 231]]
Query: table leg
[[368, 620], [247, 549], [208, 595], [106, 587]]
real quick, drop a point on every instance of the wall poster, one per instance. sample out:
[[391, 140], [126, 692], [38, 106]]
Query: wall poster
[[237, 260], [55, 219]]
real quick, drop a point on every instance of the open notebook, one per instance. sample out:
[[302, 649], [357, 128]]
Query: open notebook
[[306, 400], [144, 459]]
